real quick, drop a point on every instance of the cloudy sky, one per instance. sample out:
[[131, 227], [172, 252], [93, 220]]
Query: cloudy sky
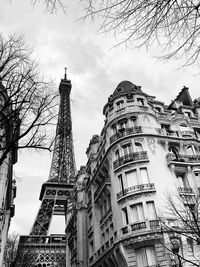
[[95, 68]]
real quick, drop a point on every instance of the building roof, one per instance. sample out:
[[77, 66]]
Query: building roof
[[126, 87], [183, 97]]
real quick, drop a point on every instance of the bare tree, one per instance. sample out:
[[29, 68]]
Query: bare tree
[[181, 228], [11, 250], [28, 104], [173, 24]]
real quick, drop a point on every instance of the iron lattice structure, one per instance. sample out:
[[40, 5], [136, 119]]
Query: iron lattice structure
[[38, 249]]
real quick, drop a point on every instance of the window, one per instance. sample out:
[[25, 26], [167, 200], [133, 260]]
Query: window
[[120, 104], [145, 256], [91, 248], [182, 180], [117, 156], [190, 150], [197, 175], [151, 210], [90, 220], [114, 129], [140, 101], [121, 184], [103, 238], [144, 176], [187, 114], [126, 149], [158, 109], [122, 124], [131, 178], [138, 147], [125, 216], [107, 233], [137, 213]]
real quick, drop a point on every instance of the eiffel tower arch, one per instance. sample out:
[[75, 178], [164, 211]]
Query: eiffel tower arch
[[38, 249]]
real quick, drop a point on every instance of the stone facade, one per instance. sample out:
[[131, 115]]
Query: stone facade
[[7, 184], [146, 151]]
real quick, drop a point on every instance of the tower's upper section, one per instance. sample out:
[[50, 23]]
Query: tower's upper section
[[63, 162], [65, 86]]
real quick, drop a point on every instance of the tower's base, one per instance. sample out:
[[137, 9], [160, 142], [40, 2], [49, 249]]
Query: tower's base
[[41, 251]]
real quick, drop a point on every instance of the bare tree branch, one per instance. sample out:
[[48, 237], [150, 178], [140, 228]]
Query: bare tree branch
[[28, 104], [173, 25]]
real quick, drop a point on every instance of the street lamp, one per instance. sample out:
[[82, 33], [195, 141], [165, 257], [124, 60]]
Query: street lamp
[[175, 245]]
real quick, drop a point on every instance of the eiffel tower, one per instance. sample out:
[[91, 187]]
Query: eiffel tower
[[40, 249]]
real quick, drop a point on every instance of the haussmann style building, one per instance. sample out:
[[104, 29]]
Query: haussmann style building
[[146, 150]]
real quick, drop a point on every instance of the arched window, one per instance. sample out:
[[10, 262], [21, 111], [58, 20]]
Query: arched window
[[117, 156]]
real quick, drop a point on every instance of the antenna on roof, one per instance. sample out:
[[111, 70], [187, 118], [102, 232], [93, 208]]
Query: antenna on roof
[[65, 77]]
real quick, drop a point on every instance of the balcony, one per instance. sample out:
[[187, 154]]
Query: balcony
[[124, 132], [137, 189], [131, 157], [138, 226], [171, 158], [106, 215], [188, 134], [185, 190], [100, 188], [146, 226], [91, 259], [125, 230], [154, 224]]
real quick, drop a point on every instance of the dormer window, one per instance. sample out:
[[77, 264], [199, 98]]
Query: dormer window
[[120, 104], [140, 101], [188, 114], [158, 109]]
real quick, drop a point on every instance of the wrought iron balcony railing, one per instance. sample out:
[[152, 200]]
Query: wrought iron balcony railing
[[124, 132], [136, 189], [185, 190], [154, 224], [171, 157], [137, 156]]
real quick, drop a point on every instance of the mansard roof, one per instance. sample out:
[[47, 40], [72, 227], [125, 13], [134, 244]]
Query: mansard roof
[[183, 97], [126, 87]]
